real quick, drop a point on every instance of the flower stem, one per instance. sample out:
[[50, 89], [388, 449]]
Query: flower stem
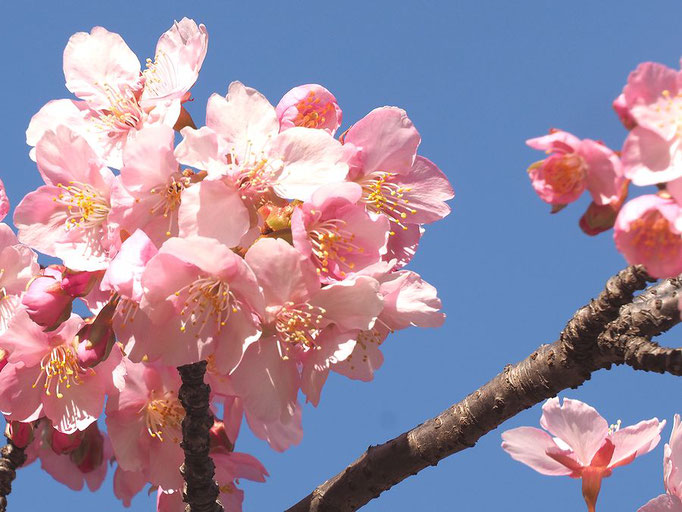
[[200, 491]]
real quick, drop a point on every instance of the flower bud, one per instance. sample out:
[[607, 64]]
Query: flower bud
[[46, 302], [97, 337], [21, 434], [79, 284], [90, 453], [218, 436], [64, 443]]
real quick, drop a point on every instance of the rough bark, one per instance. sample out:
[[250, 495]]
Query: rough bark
[[599, 335], [200, 490], [11, 458]]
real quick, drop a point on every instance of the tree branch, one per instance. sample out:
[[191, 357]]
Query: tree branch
[[11, 458], [582, 349], [200, 490]]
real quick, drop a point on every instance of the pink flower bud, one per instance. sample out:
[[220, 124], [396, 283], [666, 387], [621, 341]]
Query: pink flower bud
[[21, 434], [97, 337], [45, 301], [79, 284], [65, 443], [218, 436], [623, 112], [90, 453]]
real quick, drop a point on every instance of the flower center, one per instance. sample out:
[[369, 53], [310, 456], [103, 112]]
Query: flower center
[[170, 197], [86, 206], [299, 323], [311, 112], [163, 414], [381, 195], [332, 242], [566, 173], [61, 369], [208, 300], [123, 114], [653, 237]]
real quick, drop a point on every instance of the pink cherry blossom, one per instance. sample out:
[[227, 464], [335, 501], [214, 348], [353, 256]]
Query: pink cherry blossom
[[406, 188], [200, 299], [574, 165], [338, 235], [179, 55], [19, 264], [310, 106], [671, 501], [67, 217], [646, 233], [144, 422], [580, 444], [4, 202], [44, 378], [241, 141]]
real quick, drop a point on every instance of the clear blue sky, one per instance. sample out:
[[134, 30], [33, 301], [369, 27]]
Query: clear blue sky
[[477, 78]]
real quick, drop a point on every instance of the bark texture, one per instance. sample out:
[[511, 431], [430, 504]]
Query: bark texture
[[200, 490], [11, 458], [612, 329]]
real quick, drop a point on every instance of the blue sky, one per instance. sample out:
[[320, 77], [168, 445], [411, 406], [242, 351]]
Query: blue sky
[[477, 78]]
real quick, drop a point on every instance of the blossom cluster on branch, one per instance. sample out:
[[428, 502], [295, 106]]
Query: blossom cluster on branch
[[259, 243]]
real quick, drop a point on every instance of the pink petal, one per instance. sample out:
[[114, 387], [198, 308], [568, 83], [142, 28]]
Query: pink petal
[[604, 172], [213, 209], [387, 139], [366, 357], [202, 149], [409, 300], [4, 202], [672, 461], [635, 440], [529, 445], [353, 303], [280, 435], [428, 189], [97, 63], [148, 159], [577, 424], [649, 159], [663, 503], [557, 141]]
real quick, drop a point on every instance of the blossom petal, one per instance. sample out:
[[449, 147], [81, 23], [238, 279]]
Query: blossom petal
[[529, 445]]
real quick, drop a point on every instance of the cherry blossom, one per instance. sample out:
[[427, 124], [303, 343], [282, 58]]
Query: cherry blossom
[[310, 106], [672, 478], [580, 444]]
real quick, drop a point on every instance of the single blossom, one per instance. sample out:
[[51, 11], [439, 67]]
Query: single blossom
[[200, 299], [310, 106], [647, 232], [241, 142], [67, 217], [671, 501], [579, 443], [573, 166], [117, 99], [43, 376]]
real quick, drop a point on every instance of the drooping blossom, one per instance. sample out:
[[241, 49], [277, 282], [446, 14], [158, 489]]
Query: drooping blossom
[[671, 501], [200, 299], [144, 422], [646, 233], [117, 99], [67, 217], [573, 166], [241, 142], [310, 106], [43, 376], [578, 442], [408, 300]]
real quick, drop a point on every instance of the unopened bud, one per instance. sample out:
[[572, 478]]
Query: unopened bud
[[21, 434], [46, 302], [79, 284], [97, 337], [65, 443], [90, 454], [218, 436]]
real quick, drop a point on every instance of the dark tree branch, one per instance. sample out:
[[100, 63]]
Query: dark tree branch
[[597, 337], [200, 491], [11, 458]]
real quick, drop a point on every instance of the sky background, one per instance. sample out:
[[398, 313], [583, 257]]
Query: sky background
[[477, 78]]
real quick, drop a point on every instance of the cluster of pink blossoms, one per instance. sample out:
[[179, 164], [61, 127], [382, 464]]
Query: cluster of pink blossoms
[[648, 228], [259, 243]]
